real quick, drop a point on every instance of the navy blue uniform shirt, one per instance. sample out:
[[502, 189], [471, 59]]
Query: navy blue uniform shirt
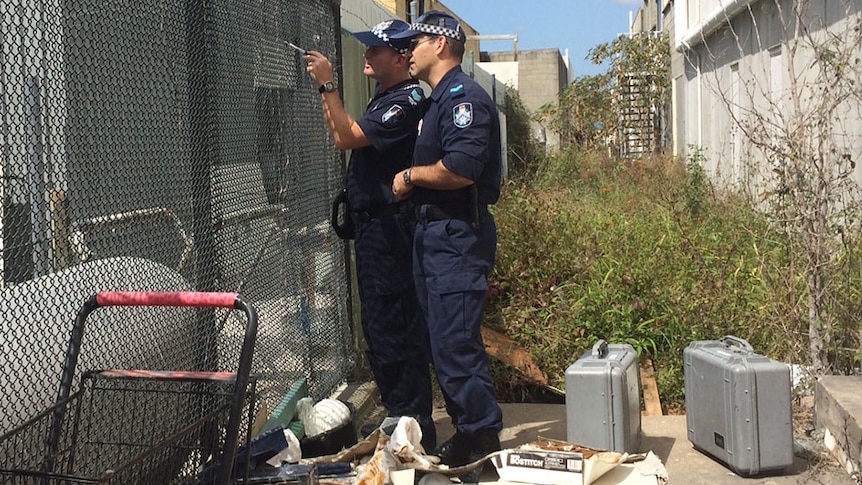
[[461, 127], [389, 124]]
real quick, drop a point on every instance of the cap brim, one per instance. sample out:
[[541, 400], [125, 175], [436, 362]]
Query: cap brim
[[369, 39]]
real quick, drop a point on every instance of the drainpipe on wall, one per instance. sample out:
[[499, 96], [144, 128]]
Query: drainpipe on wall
[[699, 102], [414, 11]]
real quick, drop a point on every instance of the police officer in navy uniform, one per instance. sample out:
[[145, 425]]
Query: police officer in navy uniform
[[454, 177], [382, 142]]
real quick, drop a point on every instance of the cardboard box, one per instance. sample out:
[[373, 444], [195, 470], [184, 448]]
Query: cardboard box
[[553, 467]]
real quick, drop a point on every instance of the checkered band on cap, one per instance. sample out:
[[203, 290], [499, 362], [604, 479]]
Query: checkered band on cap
[[456, 33], [380, 31]]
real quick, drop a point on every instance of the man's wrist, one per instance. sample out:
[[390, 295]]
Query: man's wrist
[[327, 87], [407, 180]]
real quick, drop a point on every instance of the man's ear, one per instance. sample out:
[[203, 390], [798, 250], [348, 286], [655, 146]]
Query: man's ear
[[441, 47]]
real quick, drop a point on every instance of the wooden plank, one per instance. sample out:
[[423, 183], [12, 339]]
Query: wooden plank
[[510, 353], [652, 402], [59, 229], [259, 419]]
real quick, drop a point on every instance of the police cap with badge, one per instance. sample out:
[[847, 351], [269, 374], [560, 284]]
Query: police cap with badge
[[381, 35], [432, 22]]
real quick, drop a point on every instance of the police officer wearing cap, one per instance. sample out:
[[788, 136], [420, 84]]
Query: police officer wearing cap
[[382, 142], [454, 177]]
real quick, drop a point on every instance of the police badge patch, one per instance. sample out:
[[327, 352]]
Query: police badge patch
[[393, 115], [462, 115]]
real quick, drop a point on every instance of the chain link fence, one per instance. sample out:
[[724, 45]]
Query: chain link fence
[[167, 146]]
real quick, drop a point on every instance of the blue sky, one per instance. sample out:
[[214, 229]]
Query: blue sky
[[577, 25]]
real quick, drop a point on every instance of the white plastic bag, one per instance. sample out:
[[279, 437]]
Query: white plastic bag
[[326, 415], [291, 454]]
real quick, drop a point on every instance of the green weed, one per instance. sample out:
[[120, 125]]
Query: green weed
[[644, 252]]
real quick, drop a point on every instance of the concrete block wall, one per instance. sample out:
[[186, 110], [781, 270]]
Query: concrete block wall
[[838, 413], [542, 77]]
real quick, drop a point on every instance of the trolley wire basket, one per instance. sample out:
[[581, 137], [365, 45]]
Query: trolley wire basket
[[117, 425]]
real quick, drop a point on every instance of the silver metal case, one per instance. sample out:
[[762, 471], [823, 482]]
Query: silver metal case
[[603, 407], [738, 407]]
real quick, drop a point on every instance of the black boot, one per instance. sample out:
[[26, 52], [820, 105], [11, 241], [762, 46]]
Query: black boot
[[428, 443], [387, 425], [455, 451], [483, 443], [464, 448]]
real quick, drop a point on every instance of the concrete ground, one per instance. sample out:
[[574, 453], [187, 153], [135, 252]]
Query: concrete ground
[[665, 436]]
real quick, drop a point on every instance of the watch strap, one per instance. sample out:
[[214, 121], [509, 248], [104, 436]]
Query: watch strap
[[327, 87]]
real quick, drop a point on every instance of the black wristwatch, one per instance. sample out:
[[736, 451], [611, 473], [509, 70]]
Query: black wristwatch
[[407, 177], [327, 87]]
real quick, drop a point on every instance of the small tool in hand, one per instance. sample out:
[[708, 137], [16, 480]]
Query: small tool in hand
[[298, 49]]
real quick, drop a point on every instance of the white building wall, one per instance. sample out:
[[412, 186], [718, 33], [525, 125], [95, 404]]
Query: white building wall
[[505, 71], [360, 15], [736, 67]]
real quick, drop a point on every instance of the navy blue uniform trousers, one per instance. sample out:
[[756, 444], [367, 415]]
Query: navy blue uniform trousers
[[451, 264], [395, 332]]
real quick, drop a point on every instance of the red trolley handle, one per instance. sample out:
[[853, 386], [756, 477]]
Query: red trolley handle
[[163, 299], [174, 299]]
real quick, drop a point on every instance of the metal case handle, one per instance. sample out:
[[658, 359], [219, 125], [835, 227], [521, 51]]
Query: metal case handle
[[600, 349], [731, 341]]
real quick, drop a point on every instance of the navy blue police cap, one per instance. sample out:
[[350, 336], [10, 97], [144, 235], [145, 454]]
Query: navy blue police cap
[[381, 34], [434, 22]]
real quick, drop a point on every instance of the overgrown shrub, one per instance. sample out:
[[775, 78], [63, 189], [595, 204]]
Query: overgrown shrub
[[644, 252], [524, 152]]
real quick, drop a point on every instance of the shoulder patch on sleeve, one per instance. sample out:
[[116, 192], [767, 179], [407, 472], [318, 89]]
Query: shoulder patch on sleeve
[[393, 115], [457, 91], [462, 115], [415, 97]]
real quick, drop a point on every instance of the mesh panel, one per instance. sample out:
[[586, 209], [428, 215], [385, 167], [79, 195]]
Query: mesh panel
[[162, 431], [167, 146]]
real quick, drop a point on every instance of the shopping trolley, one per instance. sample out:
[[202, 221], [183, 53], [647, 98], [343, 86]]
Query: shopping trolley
[[112, 428]]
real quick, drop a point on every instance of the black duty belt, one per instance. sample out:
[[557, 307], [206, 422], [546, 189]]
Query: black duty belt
[[439, 212], [380, 211]]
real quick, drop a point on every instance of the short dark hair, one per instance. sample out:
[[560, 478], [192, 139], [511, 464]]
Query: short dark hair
[[455, 48]]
